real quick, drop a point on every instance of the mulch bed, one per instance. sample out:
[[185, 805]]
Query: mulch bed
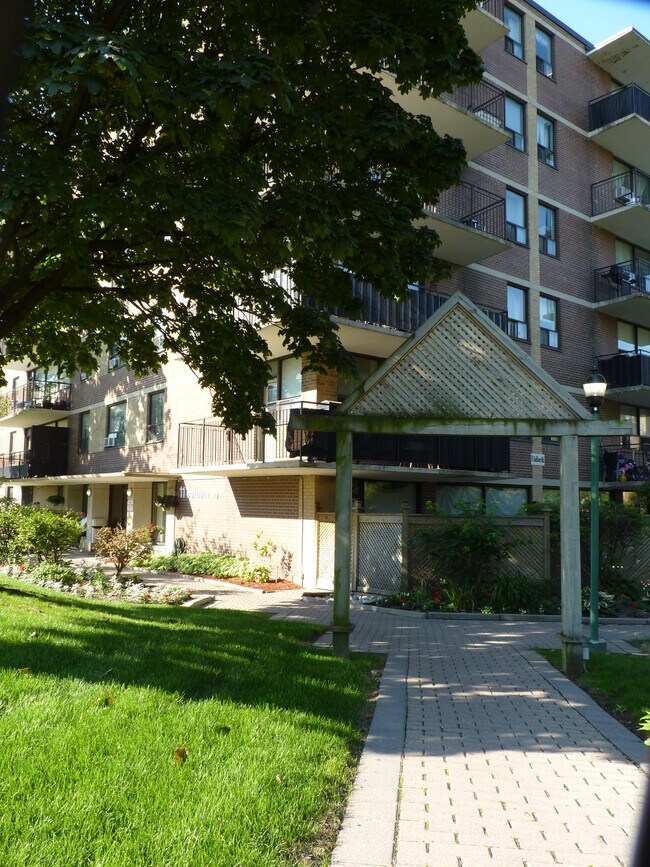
[[268, 587]]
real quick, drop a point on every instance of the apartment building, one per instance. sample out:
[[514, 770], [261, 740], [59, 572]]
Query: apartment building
[[547, 233]]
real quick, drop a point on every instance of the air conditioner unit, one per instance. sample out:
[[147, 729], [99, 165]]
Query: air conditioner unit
[[113, 362], [110, 441], [159, 340]]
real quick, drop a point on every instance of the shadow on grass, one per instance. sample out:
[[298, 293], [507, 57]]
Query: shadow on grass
[[198, 655]]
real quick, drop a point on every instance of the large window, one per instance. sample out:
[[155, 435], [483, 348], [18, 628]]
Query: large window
[[544, 52], [548, 321], [514, 21], [348, 382], [114, 360], [515, 123], [516, 217], [547, 230], [517, 313], [545, 140], [633, 338], [84, 432], [115, 425], [156, 417], [285, 381]]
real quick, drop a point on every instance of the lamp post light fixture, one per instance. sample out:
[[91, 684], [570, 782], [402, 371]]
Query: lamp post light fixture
[[594, 389]]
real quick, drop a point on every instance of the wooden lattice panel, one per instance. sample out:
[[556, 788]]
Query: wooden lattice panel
[[379, 554], [326, 533], [460, 369]]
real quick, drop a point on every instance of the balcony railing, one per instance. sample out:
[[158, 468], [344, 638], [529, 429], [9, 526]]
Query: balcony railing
[[494, 7], [483, 99], [626, 369], [208, 443], [472, 206], [15, 465], [629, 188], [621, 103], [621, 279], [36, 395], [624, 464]]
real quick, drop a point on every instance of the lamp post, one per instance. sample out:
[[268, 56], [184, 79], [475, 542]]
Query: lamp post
[[594, 389]]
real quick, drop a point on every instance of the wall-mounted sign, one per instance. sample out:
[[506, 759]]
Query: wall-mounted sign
[[537, 460], [184, 494]]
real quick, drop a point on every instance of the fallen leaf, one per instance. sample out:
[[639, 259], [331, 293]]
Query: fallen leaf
[[180, 755], [26, 670], [105, 701]]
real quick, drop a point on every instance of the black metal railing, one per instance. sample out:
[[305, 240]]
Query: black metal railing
[[35, 395], [483, 99], [628, 188], [622, 279], [625, 464], [472, 206], [208, 443], [15, 465], [626, 369], [618, 104], [494, 7]]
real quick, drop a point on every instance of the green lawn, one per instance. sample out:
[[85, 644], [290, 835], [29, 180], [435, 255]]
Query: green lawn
[[620, 684], [96, 697]]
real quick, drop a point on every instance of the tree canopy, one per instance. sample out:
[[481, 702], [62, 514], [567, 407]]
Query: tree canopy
[[163, 159]]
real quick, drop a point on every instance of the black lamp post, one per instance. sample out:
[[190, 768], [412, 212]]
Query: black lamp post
[[594, 389]]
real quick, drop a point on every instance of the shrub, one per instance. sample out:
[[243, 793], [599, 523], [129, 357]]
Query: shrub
[[466, 554], [46, 534], [9, 527], [60, 573], [121, 546], [515, 592]]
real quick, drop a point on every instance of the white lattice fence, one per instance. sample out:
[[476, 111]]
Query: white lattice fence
[[636, 563], [379, 555]]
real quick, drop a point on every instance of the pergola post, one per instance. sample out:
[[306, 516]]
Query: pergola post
[[571, 635], [341, 627]]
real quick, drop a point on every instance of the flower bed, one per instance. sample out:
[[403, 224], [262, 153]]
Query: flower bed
[[93, 583]]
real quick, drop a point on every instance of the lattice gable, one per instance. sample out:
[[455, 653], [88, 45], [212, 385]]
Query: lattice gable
[[459, 365]]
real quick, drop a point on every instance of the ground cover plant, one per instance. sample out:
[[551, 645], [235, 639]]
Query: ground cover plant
[[618, 683], [140, 736]]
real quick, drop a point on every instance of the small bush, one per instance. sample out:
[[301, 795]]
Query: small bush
[[515, 592], [10, 514], [46, 534], [61, 573], [122, 546]]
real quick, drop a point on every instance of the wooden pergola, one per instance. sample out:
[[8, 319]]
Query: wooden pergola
[[461, 375]]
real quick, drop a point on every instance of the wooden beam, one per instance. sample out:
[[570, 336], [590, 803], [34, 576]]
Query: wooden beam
[[460, 427]]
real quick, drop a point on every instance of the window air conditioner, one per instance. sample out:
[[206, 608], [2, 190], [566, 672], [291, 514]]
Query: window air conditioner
[[113, 362], [110, 441]]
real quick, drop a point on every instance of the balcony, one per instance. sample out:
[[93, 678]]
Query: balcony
[[474, 113], [208, 443], [35, 403], [620, 122], [621, 204], [47, 457], [484, 24], [625, 464], [628, 378], [471, 223], [623, 291], [625, 56]]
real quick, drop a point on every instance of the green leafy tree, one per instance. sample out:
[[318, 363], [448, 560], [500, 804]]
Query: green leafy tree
[[161, 159]]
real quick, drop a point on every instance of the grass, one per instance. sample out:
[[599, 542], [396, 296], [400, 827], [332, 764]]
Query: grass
[[618, 683], [95, 698]]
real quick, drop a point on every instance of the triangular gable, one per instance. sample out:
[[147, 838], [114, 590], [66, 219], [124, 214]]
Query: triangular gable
[[460, 365]]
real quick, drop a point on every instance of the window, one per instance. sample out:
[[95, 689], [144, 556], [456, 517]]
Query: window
[[544, 52], [514, 21], [515, 123], [83, 376], [548, 321], [115, 425], [640, 419], [516, 217], [114, 360], [545, 140], [285, 381], [348, 382], [547, 231], [156, 417], [84, 433], [633, 338], [517, 313], [505, 501]]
